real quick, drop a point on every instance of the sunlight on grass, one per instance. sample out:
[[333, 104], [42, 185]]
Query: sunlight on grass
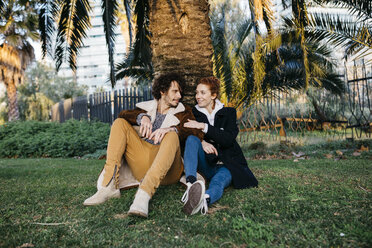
[[308, 203]]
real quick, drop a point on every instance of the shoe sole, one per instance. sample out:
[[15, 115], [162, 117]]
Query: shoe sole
[[137, 213], [192, 203], [98, 203]]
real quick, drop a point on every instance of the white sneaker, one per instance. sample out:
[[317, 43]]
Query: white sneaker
[[193, 197], [140, 205], [204, 205], [103, 194]]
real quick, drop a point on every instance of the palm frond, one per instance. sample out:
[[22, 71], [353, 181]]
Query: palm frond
[[242, 33], [137, 63], [268, 15], [81, 22], [47, 14], [221, 59], [128, 12], [130, 67], [359, 8], [73, 23], [255, 8], [109, 8], [342, 31], [2, 4], [142, 50]]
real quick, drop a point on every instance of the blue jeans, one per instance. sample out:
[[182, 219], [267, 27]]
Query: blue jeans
[[194, 159]]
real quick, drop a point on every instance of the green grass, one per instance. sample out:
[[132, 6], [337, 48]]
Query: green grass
[[309, 203]]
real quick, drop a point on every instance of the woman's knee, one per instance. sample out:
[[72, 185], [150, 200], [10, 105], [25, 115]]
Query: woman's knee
[[192, 140], [223, 177]]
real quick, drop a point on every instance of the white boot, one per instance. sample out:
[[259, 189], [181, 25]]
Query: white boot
[[103, 194], [140, 205]]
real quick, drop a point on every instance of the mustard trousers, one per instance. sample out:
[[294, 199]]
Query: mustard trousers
[[151, 164]]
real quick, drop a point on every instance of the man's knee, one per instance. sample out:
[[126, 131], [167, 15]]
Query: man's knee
[[120, 122], [171, 137]]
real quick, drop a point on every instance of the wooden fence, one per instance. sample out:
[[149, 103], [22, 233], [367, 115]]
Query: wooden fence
[[104, 106]]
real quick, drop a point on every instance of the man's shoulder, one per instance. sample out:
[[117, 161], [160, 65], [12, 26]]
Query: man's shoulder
[[186, 111]]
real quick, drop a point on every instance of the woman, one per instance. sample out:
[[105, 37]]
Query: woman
[[218, 157]]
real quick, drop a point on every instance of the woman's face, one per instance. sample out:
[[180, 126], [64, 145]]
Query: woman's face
[[204, 97]]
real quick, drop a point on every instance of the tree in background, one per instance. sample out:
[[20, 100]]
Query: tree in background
[[41, 89], [18, 24]]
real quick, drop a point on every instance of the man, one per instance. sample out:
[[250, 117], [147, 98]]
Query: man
[[156, 158]]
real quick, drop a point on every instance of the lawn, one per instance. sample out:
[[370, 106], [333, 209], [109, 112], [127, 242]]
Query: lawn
[[310, 203]]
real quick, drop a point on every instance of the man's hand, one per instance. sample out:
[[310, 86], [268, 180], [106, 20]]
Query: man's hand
[[209, 148], [158, 134], [146, 127], [194, 124]]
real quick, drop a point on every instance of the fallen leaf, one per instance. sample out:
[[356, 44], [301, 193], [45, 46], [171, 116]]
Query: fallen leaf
[[296, 160], [339, 153], [26, 245], [364, 148], [37, 217], [298, 155], [216, 208], [336, 213], [120, 216], [328, 155], [356, 154]]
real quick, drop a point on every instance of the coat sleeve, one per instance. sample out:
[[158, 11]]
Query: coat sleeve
[[184, 132], [227, 136], [131, 115]]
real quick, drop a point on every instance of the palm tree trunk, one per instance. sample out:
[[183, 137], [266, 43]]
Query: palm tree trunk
[[181, 40], [11, 90]]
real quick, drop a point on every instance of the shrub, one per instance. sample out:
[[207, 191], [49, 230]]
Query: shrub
[[50, 139]]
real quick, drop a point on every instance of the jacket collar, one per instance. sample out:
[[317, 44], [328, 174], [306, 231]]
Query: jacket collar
[[218, 106], [170, 119]]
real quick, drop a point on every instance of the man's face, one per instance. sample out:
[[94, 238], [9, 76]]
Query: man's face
[[173, 96]]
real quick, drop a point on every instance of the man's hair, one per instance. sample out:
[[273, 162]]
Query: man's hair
[[213, 83], [163, 83]]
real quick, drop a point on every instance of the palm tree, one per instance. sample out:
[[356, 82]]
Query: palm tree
[[178, 33], [282, 57], [18, 24]]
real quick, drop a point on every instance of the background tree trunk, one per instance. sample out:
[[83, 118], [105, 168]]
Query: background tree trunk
[[11, 90], [181, 40]]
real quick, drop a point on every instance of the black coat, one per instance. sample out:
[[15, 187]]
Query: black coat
[[223, 136]]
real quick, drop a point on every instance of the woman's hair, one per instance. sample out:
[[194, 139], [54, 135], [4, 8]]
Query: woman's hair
[[213, 83], [163, 83]]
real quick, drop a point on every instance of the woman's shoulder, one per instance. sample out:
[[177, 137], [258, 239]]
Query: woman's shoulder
[[227, 111]]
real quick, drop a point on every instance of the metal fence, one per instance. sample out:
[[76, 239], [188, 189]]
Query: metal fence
[[315, 114], [104, 106]]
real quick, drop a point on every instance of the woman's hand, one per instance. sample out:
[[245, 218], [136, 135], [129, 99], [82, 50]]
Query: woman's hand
[[194, 124], [146, 127], [209, 148], [158, 134]]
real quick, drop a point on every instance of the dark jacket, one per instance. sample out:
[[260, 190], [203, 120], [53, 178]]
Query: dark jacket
[[222, 135]]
